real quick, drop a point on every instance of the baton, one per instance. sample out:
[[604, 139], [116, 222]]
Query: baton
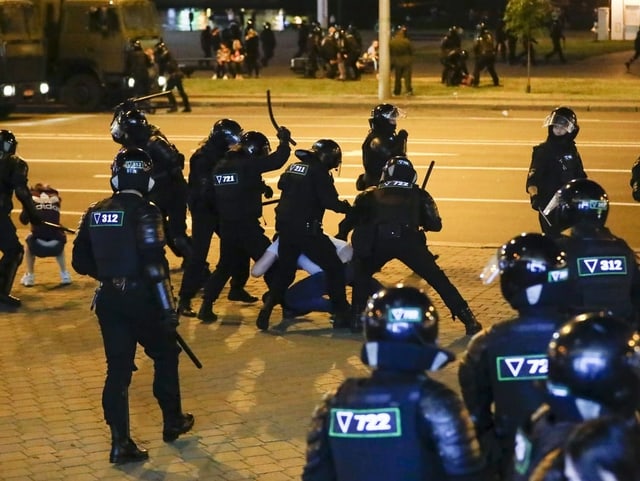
[[185, 347], [150, 96], [58, 226], [273, 119], [272, 201], [546, 219], [428, 174]]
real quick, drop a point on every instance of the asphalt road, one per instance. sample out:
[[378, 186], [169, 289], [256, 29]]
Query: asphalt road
[[481, 158]]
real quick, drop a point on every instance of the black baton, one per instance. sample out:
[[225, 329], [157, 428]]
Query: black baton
[[426, 177], [185, 347]]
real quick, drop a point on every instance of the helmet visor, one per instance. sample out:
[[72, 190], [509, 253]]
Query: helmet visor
[[491, 270], [556, 120], [393, 115]]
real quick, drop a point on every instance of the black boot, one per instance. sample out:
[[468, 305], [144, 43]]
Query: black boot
[[343, 319], [124, 450], [468, 318], [239, 294], [177, 426], [264, 315], [185, 309], [206, 314]]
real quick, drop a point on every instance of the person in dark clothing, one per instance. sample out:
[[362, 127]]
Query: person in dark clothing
[[502, 364], [401, 57], [399, 423], [45, 240], [130, 128], [138, 67], [14, 173], [314, 53], [554, 162], [206, 44], [268, 43], [238, 188], [307, 190], [636, 51], [455, 70], [451, 41], [557, 38], [224, 134], [329, 51], [168, 66], [484, 50], [121, 244], [592, 372], [389, 222], [604, 269], [252, 53], [303, 33], [381, 143]]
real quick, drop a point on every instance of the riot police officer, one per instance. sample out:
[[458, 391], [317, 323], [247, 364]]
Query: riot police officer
[[224, 134], [307, 191], [382, 143], [554, 162], [389, 222], [121, 244], [603, 267], [131, 129], [13, 179], [593, 372], [238, 188], [498, 372], [399, 423], [484, 49]]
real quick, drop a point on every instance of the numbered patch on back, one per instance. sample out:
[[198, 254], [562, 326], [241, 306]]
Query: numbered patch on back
[[602, 266], [225, 179], [522, 368], [365, 423], [298, 169], [113, 218]]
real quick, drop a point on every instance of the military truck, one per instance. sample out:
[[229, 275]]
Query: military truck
[[22, 61], [89, 47]]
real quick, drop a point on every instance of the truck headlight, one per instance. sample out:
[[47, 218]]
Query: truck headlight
[[44, 88], [8, 90]]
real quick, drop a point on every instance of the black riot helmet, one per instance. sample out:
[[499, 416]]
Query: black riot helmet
[[130, 126], [582, 203], [8, 144], [596, 356], [131, 170], [565, 119], [384, 117], [533, 271], [225, 133], [327, 151], [255, 144], [399, 168], [400, 314]]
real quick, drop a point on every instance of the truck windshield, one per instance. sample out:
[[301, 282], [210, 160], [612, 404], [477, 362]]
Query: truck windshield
[[140, 19], [18, 20]]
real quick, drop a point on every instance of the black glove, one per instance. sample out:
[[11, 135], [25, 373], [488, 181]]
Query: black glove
[[267, 191], [536, 204], [345, 206], [170, 321], [284, 135], [402, 135]]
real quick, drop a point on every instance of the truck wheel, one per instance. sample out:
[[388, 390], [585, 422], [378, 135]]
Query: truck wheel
[[81, 93], [5, 110]]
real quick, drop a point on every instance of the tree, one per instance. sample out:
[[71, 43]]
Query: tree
[[526, 19]]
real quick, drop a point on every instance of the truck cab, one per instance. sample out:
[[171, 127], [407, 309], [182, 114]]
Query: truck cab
[[22, 61], [89, 48]]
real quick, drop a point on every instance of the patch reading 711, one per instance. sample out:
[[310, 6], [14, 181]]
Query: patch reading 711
[[365, 423], [107, 218]]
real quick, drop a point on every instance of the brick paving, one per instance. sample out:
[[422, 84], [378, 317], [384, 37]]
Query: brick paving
[[252, 400]]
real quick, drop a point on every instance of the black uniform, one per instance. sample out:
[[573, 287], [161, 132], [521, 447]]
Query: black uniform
[[553, 163], [455, 67], [121, 243], [307, 191], [238, 187], [485, 57], [398, 424], [389, 222], [498, 375], [13, 179], [168, 66], [268, 43], [204, 221], [378, 147], [604, 273]]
